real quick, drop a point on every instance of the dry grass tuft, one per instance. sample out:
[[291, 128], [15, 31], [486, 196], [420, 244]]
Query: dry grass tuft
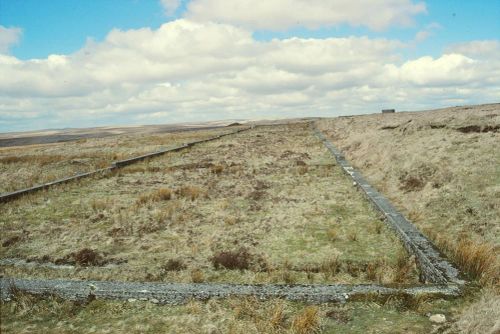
[[12, 240], [287, 277], [404, 267], [378, 227], [87, 257], [478, 259], [217, 169], [278, 316], [232, 260], [41, 160], [307, 321], [411, 183], [353, 236], [143, 199], [371, 270], [302, 170], [99, 204], [230, 220], [332, 234], [197, 276], [162, 194], [190, 192], [174, 265], [331, 267], [12, 159]]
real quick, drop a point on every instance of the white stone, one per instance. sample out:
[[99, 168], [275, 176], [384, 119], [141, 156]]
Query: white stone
[[131, 300], [437, 318], [154, 300]]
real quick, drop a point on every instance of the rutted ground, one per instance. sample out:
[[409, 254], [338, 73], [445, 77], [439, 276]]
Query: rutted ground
[[26, 166], [268, 202]]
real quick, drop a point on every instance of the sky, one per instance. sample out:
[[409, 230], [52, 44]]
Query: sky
[[82, 63]]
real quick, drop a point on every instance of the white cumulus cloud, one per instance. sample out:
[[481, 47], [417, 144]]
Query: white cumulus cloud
[[8, 38], [191, 71], [484, 48], [170, 6], [284, 14], [427, 32], [449, 69]]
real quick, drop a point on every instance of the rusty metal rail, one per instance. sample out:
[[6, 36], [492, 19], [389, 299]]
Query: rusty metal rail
[[126, 162], [6, 197]]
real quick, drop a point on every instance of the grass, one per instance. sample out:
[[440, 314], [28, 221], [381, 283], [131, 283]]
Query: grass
[[243, 315], [307, 321], [430, 179], [197, 276], [478, 260], [441, 169], [190, 192], [25, 166], [174, 265], [86, 257], [177, 207], [232, 260], [288, 216], [162, 194]]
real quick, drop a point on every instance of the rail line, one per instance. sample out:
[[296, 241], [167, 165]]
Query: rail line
[[9, 196]]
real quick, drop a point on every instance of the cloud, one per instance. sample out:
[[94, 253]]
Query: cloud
[[313, 14], [8, 38], [427, 32], [170, 6], [187, 70], [447, 70], [481, 49]]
